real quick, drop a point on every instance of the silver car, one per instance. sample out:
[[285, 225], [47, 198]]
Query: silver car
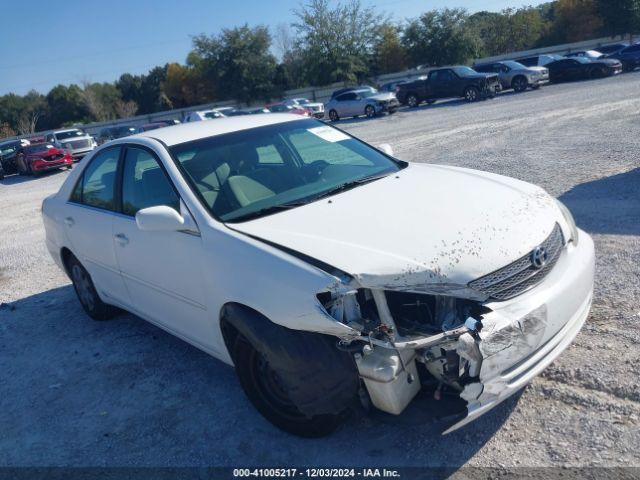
[[368, 102], [514, 75], [74, 140]]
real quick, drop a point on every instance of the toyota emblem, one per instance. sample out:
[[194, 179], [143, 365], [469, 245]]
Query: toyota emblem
[[539, 257]]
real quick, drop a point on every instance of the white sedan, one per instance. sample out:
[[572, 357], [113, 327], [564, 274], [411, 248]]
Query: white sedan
[[326, 271]]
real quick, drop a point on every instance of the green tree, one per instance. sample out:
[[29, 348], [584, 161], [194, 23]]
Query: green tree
[[336, 43], [510, 30], [389, 55], [575, 20], [441, 37], [620, 16], [237, 61], [66, 105]]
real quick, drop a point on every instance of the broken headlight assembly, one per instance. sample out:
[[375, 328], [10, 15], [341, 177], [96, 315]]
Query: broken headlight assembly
[[570, 222], [407, 315]]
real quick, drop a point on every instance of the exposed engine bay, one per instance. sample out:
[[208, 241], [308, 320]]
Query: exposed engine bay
[[409, 339]]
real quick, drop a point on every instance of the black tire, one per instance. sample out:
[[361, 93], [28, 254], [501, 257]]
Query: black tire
[[413, 100], [519, 83], [1, 174], [627, 67], [86, 292], [333, 116], [260, 383], [370, 111], [471, 94]]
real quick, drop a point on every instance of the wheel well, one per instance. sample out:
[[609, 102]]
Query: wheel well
[[516, 78], [66, 255], [298, 356], [230, 331]]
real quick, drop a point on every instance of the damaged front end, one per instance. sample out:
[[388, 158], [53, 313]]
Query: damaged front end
[[483, 347], [409, 339]]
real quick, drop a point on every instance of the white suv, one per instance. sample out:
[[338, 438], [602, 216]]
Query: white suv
[[74, 140], [325, 270]]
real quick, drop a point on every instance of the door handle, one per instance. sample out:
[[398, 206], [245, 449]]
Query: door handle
[[122, 239], [69, 221]]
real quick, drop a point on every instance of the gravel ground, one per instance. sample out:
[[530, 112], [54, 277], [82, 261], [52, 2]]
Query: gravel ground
[[124, 393]]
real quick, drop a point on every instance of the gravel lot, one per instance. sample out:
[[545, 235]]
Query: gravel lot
[[124, 393]]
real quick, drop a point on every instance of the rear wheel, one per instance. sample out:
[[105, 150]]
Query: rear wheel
[[412, 100], [87, 294], [266, 391], [333, 116], [471, 94], [519, 84], [370, 111]]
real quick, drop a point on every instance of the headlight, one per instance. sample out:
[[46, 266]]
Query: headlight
[[570, 221]]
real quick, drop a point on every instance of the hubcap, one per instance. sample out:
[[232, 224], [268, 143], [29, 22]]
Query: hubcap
[[471, 94], [413, 101], [333, 115], [369, 112], [83, 287]]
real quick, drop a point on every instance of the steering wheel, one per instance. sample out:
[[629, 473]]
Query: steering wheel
[[314, 169]]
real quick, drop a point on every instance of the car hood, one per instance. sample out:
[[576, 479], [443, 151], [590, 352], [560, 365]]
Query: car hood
[[383, 97], [607, 61], [536, 69], [426, 227]]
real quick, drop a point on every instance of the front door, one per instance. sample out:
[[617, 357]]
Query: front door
[[161, 270]]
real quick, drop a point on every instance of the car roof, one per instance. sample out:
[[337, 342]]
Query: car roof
[[186, 132], [66, 130]]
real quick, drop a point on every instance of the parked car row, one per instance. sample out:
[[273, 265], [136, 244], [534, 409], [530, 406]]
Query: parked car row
[[32, 157], [482, 81]]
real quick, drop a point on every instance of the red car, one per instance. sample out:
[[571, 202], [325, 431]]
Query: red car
[[40, 157]]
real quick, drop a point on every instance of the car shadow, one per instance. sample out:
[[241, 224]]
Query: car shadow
[[609, 205], [124, 392]]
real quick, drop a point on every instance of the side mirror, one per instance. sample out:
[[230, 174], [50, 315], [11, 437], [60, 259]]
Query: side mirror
[[159, 219], [386, 148]]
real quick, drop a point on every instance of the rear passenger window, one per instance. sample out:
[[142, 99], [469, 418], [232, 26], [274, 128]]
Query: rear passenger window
[[144, 183], [96, 186]]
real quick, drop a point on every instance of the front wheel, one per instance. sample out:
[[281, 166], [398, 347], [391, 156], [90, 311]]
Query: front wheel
[[87, 294], [333, 116], [471, 94], [370, 111], [519, 84], [412, 100], [266, 391]]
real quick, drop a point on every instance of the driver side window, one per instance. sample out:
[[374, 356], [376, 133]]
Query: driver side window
[[144, 183]]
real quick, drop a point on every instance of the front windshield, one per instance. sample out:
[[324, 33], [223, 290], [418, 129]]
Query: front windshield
[[246, 174], [7, 149], [464, 71], [69, 134], [40, 147]]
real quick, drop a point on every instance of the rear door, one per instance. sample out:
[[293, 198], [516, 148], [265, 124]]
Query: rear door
[[88, 223]]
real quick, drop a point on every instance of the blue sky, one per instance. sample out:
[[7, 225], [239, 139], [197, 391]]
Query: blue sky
[[43, 43]]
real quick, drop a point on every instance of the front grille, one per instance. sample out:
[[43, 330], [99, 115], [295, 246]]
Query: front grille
[[521, 275], [80, 144]]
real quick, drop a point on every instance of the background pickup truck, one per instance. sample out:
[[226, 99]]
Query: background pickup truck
[[448, 83]]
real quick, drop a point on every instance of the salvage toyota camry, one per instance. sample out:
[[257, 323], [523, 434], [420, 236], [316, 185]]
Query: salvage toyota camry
[[327, 272]]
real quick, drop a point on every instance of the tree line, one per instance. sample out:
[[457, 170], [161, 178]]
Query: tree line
[[327, 42]]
